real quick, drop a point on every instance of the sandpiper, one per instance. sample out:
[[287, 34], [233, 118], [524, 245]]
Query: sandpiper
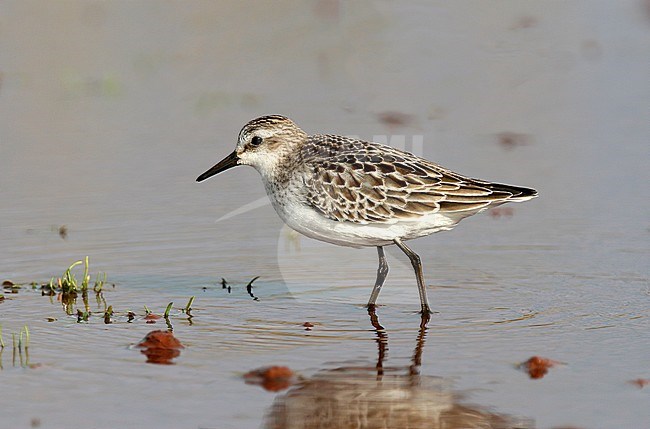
[[356, 193]]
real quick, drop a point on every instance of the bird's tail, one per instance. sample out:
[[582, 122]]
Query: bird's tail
[[519, 193]]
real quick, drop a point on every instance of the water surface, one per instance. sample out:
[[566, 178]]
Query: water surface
[[109, 111]]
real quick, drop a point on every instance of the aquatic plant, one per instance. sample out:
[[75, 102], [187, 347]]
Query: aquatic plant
[[82, 316], [49, 288], [99, 283], [188, 307], [26, 337], [68, 281], [167, 310], [107, 315], [249, 288], [20, 346], [86, 277]]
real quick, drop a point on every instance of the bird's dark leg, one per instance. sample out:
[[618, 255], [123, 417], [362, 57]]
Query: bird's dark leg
[[382, 272], [417, 266]]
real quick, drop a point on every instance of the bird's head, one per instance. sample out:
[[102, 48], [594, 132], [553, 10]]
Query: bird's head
[[262, 144]]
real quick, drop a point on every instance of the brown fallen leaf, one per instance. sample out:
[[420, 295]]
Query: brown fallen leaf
[[510, 140], [394, 119], [151, 318], [271, 378], [160, 339], [640, 382], [308, 326], [538, 366], [160, 347]]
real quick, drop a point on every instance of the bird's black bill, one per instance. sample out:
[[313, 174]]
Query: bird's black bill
[[223, 165]]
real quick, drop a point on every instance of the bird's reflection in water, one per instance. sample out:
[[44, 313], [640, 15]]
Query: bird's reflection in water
[[381, 397]]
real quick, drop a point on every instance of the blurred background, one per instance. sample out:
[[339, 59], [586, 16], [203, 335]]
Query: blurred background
[[109, 110]]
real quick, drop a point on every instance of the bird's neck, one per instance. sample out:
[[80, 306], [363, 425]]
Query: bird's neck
[[281, 169]]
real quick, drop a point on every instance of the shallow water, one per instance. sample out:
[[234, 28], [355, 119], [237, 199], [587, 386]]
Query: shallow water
[[109, 111]]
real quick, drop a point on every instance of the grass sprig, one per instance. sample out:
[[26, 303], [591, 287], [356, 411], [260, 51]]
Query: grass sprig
[[68, 281], [188, 307], [167, 310]]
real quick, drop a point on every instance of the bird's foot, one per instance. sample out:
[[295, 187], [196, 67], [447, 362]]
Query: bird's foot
[[425, 314]]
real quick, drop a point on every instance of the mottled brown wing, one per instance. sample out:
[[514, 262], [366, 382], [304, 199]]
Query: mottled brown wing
[[356, 181]]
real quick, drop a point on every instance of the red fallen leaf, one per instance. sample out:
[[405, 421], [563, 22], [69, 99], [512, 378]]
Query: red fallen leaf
[[537, 366], [152, 316], [160, 347], [161, 356], [160, 339], [271, 378], [640, 382]]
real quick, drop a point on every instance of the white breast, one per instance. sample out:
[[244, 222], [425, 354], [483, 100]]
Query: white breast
[[311, 223]]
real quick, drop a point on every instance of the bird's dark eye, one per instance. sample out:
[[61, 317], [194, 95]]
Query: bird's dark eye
[[256, 141]]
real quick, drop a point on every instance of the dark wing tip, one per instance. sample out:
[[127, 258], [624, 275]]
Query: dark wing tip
[[525, 193], [519, 193]]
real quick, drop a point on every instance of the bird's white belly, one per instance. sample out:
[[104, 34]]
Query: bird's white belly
[[309, 222]]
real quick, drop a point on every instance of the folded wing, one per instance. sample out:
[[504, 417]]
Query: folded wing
[[356, 181]]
